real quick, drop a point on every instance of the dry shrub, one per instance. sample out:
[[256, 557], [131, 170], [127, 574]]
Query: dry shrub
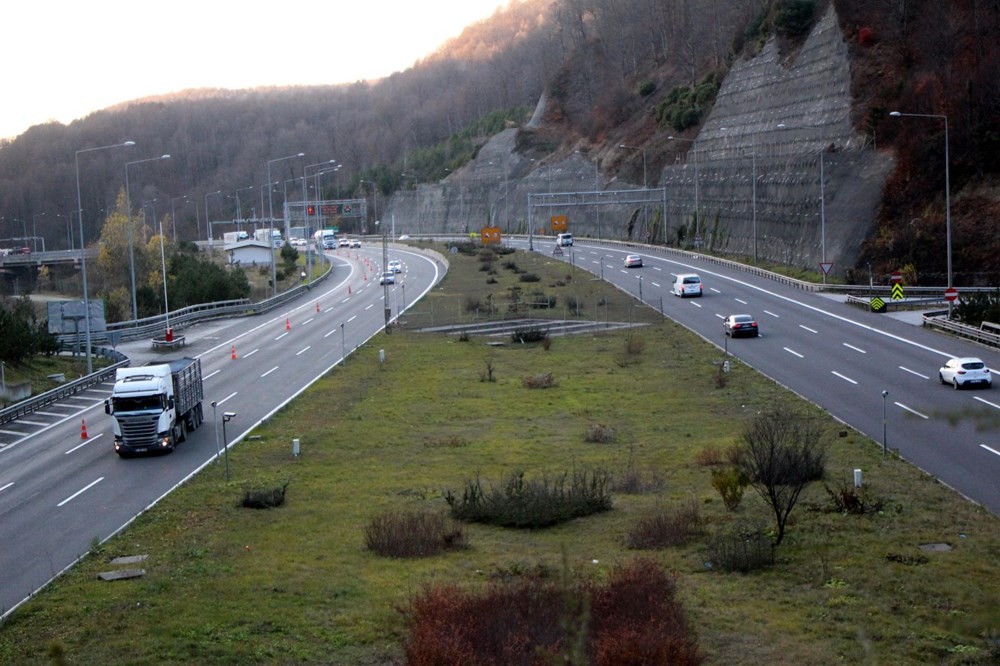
[[634, 345], [710, 456], [599, 433], [632, 618], [264, 498], [414, 534], [855, 501], [539, 381], [662, 528], [471, 304], [742, 547], [546, 343]]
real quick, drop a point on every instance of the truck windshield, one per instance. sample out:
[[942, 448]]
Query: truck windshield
[[142, 403]]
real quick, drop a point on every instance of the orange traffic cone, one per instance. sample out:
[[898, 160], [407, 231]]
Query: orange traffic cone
[[83, 429], [348, 289], [317, 306], [234, 353], [288, 325]]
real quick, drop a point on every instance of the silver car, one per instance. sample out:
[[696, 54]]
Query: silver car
[[962, 372]]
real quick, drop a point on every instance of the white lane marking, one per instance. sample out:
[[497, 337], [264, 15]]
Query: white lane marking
[[740, 300], [846, 379], [987, 402], [352, 319], [346, 299], [269, 372], [792, 352], [857, 349], [12, 432], [811, 330], [302, 352], [3, 488], [281, 336], [715, 290], [211, 374], [34, 423], [655, 284], [370, 306], [219, 402], [84, 443], [991, 450], [327, 310], [80, 491], [657, 268], [59, 414], [768, 312], [307, 321], [720, 316], [330, 333], [697, 305], [252, 352], [912, 411], [913, 372]]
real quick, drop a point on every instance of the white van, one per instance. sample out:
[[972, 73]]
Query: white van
[[562, 240], [686, 284]]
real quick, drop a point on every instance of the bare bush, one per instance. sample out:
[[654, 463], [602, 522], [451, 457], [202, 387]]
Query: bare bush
[[662, 528], [634, 345], [539, 381], [780, 453], [264, 498], [709, 456], [855, 501], [742, 547], [414, 534], [599, 433]]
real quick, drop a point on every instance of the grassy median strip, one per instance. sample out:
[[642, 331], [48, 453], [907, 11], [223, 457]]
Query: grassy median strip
[[646, 406]]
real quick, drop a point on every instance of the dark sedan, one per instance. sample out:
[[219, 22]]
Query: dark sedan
[[740, 324]]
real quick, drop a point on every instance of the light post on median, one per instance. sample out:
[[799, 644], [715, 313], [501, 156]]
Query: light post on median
[[83, 248], [208, 222], [947, 189], [270, 201], [239, 207], [697, 209], [34, 233], [173, 216]]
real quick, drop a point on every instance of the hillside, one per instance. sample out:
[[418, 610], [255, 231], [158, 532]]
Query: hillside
[[607, 72]]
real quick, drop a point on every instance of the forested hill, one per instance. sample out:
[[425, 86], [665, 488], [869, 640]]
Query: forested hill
[[612, 69]]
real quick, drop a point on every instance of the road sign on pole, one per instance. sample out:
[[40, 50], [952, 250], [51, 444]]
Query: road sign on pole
[[950, 294], [825, 266], [896, 277]]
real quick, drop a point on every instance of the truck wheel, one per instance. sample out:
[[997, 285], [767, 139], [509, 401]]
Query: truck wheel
[[183, 433]]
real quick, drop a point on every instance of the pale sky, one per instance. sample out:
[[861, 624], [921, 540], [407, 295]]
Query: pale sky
[[63, 59]]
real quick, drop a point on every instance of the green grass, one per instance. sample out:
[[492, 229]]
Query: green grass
[[295, 584]]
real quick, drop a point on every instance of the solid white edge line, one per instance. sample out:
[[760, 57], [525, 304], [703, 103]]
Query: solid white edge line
[[990, 449], [3, 488]]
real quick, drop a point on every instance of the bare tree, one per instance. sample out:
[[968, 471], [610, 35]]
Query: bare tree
[[781, 452]]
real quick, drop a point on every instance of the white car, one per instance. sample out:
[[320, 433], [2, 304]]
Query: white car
[[633, 261], [355, 242], [395, 265], [962, 372], [343, 242], [387, 278], [686, 284]]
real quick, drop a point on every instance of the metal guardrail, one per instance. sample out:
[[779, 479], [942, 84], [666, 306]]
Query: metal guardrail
[[144, 328], [69, 388], [982, 334]]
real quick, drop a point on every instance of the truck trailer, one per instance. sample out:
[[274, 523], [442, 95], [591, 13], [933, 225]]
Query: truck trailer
[[326, 239], [154, 406], [235, 236], [272, 235]]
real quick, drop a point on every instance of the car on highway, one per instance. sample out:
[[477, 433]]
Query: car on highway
[[387, 278], [343, 242], [299, 242], [355, 242], [962, 372], [740, 324], [564, 240], [686, 284], [395, 265], [633, 261]]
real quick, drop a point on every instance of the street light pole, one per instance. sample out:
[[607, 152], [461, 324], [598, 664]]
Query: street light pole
[[83, 248], [270, 202], [34, 233], [208, 223], [947, 189], [173, 218]]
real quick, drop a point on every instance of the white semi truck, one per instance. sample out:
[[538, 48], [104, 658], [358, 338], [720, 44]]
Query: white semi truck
[[154, 406], [326, 239], [235, 236], [272, 235]]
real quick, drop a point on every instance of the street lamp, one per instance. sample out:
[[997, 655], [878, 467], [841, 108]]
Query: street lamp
[[128, 223], [34, 233], [173, 218], [226, 418], [208, 223], [239, 206], [270, 204], [947, 188], [697, 209], [83, 249], [69, 231]]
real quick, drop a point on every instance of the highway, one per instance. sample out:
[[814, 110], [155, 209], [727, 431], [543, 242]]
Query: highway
[[60, 493], [838, 357]]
